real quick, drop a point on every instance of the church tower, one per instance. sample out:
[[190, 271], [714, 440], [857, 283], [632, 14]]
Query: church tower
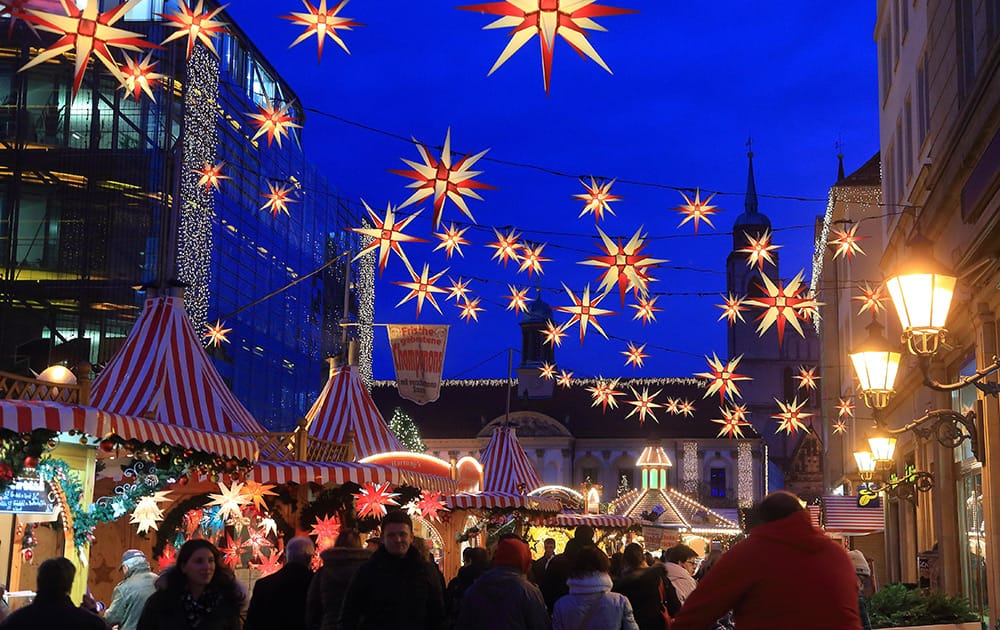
[[535, 352]]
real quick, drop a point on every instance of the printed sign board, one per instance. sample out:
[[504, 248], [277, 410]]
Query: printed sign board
[[418, 356]]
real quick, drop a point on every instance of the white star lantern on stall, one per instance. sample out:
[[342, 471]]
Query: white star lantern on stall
[[147, 513], [373, 500], [230, 501]]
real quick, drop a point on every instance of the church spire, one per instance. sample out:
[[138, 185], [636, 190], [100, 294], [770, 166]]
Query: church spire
[[751, 196], [840, 162]]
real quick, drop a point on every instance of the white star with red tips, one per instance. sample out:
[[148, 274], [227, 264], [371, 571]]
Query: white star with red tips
[[564, 378], [685, 408], [732, 308], [782, 304], [845, 408], [387, 236], [275, 122], [598, 198], [731, 424], [322, 24], [373, 499], [198, 25], [278, 197], [807, 378], [532, 259], [443, 179], [739, 412], [646, 309], [624, 265], [422, 288], [696, 210], [871, 298], [672, 406], [585, 311], [791, 416], [845, 242], [604, 393], [506, 247], [758, 250], [634, 355], [452, 240], [723, 378], [644, 404], [470, 309], [547, 371], [211, 176], [138, 77], [554, 334], [216, 334], [839, 427], [517, 299], [85, 32], [458, 290], [569, 19]]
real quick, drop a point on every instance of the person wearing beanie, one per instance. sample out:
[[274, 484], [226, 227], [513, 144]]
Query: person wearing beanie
[[131, 593], [864, 572], [504, 597]]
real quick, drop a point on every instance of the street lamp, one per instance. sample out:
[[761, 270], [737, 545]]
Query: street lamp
[[876, 363], [921, 290]]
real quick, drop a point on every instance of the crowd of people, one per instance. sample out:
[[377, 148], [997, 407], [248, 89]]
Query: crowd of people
[[786, 574]]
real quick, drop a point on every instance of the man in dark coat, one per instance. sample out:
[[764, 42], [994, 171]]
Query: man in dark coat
[[503, 598], [52, 607], [279, 600], [648, 589], [553, 583], [538, 567], [786, 575], [397, 589], [326, 592]]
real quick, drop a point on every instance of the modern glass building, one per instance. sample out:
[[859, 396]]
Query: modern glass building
[[100, 205]]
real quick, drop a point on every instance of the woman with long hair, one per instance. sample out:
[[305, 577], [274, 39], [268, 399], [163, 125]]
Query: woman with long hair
[[590, 604], [201, 593]]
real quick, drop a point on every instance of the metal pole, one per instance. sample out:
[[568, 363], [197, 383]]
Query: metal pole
[[510, 367], [345, 314]]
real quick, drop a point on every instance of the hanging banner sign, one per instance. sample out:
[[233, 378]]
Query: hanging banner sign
[[418, 356]]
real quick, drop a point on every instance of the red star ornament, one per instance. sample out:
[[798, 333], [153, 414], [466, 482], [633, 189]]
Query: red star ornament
[[685, 408], [732, 426], [839, 427], [231, 553], [782, 304], [278, 197], [672, 406], [458, 290], [15, 10], [585, 310], [553, 334], [871, 299], [470, 309], [532, 259], [791, 416], [452, 240], [325, 529], [732, 308], [723, 378], [197, 25], [845, 242], [256, 539], [624, 265], [138, 77], [211, 176], [422, 288], [739, 412], [758, 250], [168, 558], [506, 247], [443, 179], [634, 355], [604, 393], [569, 19], [597, 199], [387, 236], [547, 371], [431, 505], [646, 309], [517, 299], [276, 122], [373, 499], [322, 24], [216, 334], [845, 408], [644, 404], [807, 378], [268, 564], [696, 210], [564, 378]]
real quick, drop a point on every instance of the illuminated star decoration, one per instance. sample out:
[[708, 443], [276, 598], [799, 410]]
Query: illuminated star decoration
[[268, 564], [807, 378], [256, 538], [758, 250], [598, 198], [532, 259], [325, 529], [373, 499], [231, 553], [839, 427], [624, 265], [322, 24], [782, 304], [256, 492], [147, 512], [569, 19], [791, 416], [585, 310], [211, 176], [230, 501], [604, 393], [553, 334], [15, 10], [732, 308], [216, 334], [138, 77], [443, 179], [506, 247], [723, 378], [646, 310], [278, 197], [470, 309], [547, 371], [431, 504], [387, 236], [452, 240], [85, 32], [696, 210], [564, 378], [422, 287], [871, 298], [458, 289], [644, 405], [268, 526], [731, 424], [517, 299], [685, 408], [634, 355], [845, 408], [198, 25], [275, 122], [845, 242], [672, 406]]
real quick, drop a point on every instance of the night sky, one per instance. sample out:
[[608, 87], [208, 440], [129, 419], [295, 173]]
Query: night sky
[[691, 82]]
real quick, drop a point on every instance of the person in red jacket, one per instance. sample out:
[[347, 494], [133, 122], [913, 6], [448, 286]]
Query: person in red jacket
[[786, 575]]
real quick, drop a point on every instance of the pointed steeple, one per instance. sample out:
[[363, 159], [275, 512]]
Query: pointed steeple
[[840, 166], [751, 196], [751, 222]]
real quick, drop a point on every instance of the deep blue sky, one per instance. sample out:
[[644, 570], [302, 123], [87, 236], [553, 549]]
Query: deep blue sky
[[691, 81]]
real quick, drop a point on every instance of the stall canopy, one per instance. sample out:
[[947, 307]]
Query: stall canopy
[[345, 405], [593, 520], [506, 467], [500, 501], [842, 515], [673, 510], [338, 473], [163, 373]]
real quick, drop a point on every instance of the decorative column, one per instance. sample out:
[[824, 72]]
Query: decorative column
[[986, 348]]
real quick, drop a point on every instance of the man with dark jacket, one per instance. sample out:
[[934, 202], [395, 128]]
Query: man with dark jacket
[[131, 593], [396, 589], [503, 598], [52, 607], [786, 575], [553, 583], [540, 566], [648, 589], [279, 600], [326, 592]]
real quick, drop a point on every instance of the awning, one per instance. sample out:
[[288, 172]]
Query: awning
[[433, 483], [506, 467], [843, 515], [23, 416], [339, 473], [594, 520], [501, 500]]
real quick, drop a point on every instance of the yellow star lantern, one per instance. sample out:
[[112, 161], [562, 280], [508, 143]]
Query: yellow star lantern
[[781, 304], [871, 298], [732, 425], [791, 416], [230, 501], [506, 247], [256, 492], [598, 199], [625, 265], [807, 378], [644, 404], [211, 176], [387, 236], [197, 25], [585, 310], [326, 529], [564, 379], [532, 259], [138, 77], [458, 290], [147, 512], [646, 309], [517, 299], [322, 24], [216, 334], [723, 378], [845, 242], [634, 355], [422, 288], [553, 334], [696, 210], [452, 240], [758, 250], [274, 121], [732, 308], [278, 197], [470, 309], [547, 371]]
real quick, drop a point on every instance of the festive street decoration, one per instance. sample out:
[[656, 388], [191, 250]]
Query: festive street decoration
[[604, 393], [845, 408], [274, 121], [452, 240], [685, 408], [506, 247], [322, 23], [564, 378], [624, 265], [278, 197], [807, 378], [672, 406], [845, 242], [231, 553], [871, 298], [634, 355], [532, 259], [373, 500], [517, 299], [839, 427], [732, 425], [216, 334], [553, 334], [138, 77], [422, 288], [85, 32], [791, 416], [268, 564], [696, 210], [585, 311], [443, 179], [644, 404], [458, 290], [15, 11], [230, 501], [198, 25], [547, 19], [147, 513], [431, 505], [387, 236], [404, 427], [597, 199], [256, 539], [470, 309], [325, 529], [782, 303], [211, 176], [758, 250], [732, 308], [723, 378], [646, 309], [257, 492], [547, 371]]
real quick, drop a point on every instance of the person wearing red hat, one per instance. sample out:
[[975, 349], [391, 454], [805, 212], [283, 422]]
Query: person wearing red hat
[[503, 598]]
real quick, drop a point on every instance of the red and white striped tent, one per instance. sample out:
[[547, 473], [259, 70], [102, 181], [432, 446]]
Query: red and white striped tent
[[345, 405], [339, 473], [163, 373], [506, 467], [500, 501]]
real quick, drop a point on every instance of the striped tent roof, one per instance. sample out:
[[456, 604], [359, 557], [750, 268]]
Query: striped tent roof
[[163, 373], [345, 405], [506, 466]]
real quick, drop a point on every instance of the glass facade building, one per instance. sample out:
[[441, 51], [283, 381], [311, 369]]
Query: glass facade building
[[99, 196]]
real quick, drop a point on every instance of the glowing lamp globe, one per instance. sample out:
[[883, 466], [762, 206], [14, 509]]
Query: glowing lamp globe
[[921, 290], [866, 464], [883, 447], [57, 375], [876, 363]]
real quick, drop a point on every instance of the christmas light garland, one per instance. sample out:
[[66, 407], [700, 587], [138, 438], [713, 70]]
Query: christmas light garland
[[744, 474], [689, 480]]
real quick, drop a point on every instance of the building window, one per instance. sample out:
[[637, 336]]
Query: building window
[[628, 475], [965, 27], [923, 102], [885, 62], [717, 482], [908, 156], [590, 473]]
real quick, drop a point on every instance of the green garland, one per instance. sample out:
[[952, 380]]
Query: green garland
[[167, 531], [20, 451]]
